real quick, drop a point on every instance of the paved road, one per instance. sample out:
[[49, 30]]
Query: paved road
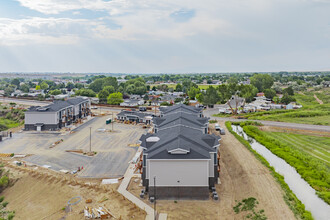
[[112, 158], [210, 112]]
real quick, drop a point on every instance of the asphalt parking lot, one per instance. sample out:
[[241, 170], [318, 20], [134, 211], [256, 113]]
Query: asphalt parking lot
[[112, 158]]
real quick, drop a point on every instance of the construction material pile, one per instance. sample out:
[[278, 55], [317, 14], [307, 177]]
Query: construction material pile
[[97, 213]]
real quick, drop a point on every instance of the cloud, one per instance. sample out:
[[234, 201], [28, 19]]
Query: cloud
[[124, 20]]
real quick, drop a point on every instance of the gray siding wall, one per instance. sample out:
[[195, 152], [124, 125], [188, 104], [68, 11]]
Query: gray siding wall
[[178, 172], [41, 117]]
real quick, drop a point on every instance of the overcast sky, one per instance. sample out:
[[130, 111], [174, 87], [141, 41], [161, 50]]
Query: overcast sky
[[157, 36]]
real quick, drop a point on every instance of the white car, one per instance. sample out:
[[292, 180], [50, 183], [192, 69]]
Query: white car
[[217, 127]]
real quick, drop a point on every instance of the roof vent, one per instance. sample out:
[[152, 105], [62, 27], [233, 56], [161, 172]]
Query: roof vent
[[152, 139]]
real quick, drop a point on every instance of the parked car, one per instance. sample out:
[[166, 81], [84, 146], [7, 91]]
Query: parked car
[[217, 127], [142, 108], [222, 131]]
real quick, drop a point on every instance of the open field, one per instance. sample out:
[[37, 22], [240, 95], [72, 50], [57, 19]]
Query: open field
[[317, 147], [242, 176], [42, 194], [111, 160], [309, 156]]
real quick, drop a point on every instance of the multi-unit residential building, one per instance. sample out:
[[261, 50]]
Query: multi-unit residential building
[[56, 115], [135, 116], [180, 160]]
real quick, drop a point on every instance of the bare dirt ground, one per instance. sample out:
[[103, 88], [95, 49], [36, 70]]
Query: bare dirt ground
[[318, 100], [242, 176], [295, 131], [42, 194]]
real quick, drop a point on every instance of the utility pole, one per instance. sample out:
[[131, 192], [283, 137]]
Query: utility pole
[[90, 139], [155, 213], [112, 120]]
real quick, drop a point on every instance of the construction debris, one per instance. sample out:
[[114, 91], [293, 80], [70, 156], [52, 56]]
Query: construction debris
[[109, 181], [88, 201], [95, 213]]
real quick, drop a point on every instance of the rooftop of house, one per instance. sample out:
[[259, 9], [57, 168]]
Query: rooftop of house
[[179, 143], [180, 118], [133, 112], [180, 108], [57, 105]]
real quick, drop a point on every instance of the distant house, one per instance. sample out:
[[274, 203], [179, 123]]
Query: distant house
[[56, 115], [135, 116], [132, 102], [184, 162]]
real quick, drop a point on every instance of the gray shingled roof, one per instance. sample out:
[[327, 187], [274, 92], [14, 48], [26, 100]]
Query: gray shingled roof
[[134, 113], [180, 108], [57, 105], [199, 145], [180, 118]]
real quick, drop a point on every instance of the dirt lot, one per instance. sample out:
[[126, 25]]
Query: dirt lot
[[41, 194], [242, 176]]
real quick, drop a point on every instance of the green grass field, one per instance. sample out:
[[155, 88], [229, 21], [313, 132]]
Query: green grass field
[[309, 155], [317, 147]]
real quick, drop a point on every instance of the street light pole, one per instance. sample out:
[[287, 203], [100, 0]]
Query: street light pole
[[112, 120], [90, 139], [155, 215]]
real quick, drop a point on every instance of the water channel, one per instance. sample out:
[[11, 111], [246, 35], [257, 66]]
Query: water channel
[[304, 192]]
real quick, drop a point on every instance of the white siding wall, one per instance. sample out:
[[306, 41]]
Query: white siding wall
[[36, 117], [211, 165], [178, 172]]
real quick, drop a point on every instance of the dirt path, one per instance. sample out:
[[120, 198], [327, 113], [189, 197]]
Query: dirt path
[[242, 176], [318, 100]]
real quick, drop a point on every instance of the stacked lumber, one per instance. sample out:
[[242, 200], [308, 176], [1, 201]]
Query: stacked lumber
[[97, 213], [5, 155]]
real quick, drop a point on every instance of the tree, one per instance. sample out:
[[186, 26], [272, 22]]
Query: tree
[[103, 96], [232, 80], [43, 85], [69, 86], [79, 85], [270, 93], [109, 89], [146, 97], [110, 81], [288, 90], [38, 87], [9, 90], [115, 98], [55, 92], [193, 92], [96, 85], [25, 88], [262, 81], [85, 92], [178, 87], [200, 97], [211, 97], [286, 98], [15, 82]]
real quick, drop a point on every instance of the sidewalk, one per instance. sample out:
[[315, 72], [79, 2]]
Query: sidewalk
[[122, 190]]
